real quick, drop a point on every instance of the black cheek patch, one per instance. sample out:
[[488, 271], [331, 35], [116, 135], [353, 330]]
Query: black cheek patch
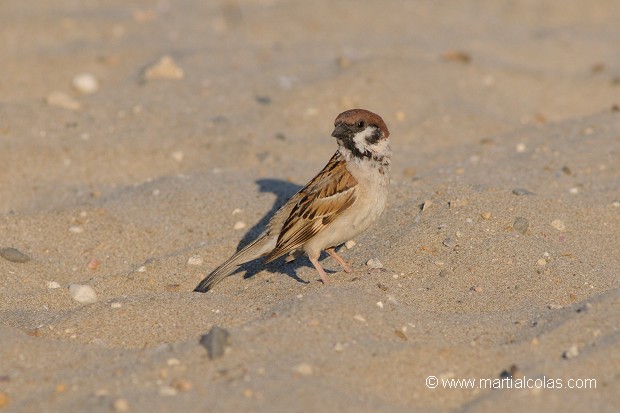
[[374, 138]]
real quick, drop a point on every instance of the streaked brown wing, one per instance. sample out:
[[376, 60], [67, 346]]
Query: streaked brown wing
[[316, 205]]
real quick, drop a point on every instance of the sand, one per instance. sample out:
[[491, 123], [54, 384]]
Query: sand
[[505, 127]]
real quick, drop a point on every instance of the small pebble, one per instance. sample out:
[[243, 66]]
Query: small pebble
[[379, 304], [121, 405], [521, 225], [182, 385], [165, 68], [449, 242], [574, 190], [93, 264], [559, 225], [83, 294], [177, 156], [427, 204], [476, 289], [374, 263], [400, 335], [572, 352], [216, 341], [239, 225], [52, 285], [542, 262], [486, 215], [167, 391], [195, 260], [359, 317], [85, 83], [236, 211], [350, 244], [116, 304], [62, 100], [4, 399], [338, 347], [616, 204], [142, 269], [304, 369], [76, 230], [520, 148], [14, 255], [522, 191]]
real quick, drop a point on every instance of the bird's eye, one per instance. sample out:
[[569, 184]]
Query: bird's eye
[[361, 124]]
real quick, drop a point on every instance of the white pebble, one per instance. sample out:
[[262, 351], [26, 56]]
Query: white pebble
[[521, 148], [616, 204], [76, 230], [304, 369], [62, 100], [350, 244], [173, 362], [85, 83], [52, 285], [572, 352], [374, 263], [239, 225], [359, 318], [116, 304], [379, 304], [559, 225], [338, 347], [195, 260], [168, 391], [121, 405], [142, 269], [83, 293], [542, 262], [236, 211]]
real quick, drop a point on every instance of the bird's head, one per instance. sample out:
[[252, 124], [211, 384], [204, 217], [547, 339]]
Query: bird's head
[[362, 134]]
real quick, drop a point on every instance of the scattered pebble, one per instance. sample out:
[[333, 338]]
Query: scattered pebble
[[52, 285], [520, 148], [486, 215], [616, 204], [142, 269], [239, 225], [121, 405], [14, 255], [177, 156], [574, 190], [400, 335], [76, 230], [304, 369], [374, 263], [521, 225], [116, 304], [84, 294], [456, 56], [542, 262], [476, 289], [559, 225], [165, 68], [350, 244], [380, 304], [522, 191], [182, 385], [572, 352], [62, 100], [216, 341], [360, 318], [338, 347], [449, 242], [236, 211], [426, 205], [93, 264], [167, 391], [85, 83], [195, 260]]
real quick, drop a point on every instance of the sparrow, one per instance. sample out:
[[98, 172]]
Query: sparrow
[[338, 204]]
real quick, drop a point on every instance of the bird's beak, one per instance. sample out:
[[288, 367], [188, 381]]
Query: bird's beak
[[341, 131]]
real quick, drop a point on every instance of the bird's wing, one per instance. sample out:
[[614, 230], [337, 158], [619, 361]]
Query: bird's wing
[[315, 206]]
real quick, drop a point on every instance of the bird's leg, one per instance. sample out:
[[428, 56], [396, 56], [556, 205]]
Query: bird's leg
[[320, 270], [346, 267]]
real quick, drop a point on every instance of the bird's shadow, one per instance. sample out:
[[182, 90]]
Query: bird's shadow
[[283, 190]]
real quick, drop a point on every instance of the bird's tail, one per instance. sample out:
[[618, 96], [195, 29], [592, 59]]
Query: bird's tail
[[253, 250]]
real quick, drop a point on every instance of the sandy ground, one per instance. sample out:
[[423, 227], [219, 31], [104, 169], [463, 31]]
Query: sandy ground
[[502, 114]]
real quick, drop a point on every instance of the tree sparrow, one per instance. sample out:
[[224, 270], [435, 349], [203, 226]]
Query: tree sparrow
[[343, 200]]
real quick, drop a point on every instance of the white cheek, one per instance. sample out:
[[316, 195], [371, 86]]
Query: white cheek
[[360, 139]]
